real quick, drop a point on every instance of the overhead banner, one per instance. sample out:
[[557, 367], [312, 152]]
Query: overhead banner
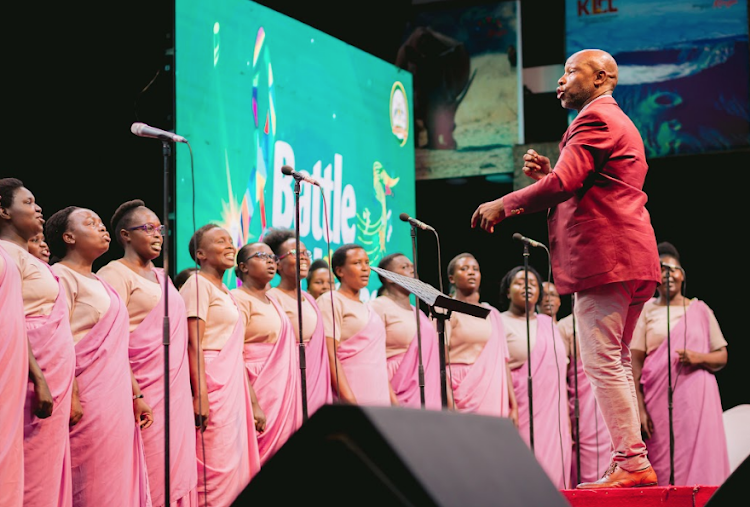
[[683, 68], [257, 90]]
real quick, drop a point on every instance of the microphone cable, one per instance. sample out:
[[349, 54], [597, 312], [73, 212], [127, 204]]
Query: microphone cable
[[557, 367], [197, 342], [331, 284]]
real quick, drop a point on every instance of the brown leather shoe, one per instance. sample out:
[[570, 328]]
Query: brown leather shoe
[[616, 477]]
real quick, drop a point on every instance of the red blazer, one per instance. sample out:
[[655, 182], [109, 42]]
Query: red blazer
[[599, 229]]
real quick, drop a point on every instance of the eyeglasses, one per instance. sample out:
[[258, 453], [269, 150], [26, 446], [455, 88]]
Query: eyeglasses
[[305, 254], [264, 256], [150, 229]]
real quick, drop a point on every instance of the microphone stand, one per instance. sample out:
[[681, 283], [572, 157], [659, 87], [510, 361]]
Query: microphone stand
[[441, 318], [419, 332], [669, 381], [528, 344], [166, 151], [576, 413], [302, 362]]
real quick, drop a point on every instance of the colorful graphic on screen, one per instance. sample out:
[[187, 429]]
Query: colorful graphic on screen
[[257, 90], [683, 68]]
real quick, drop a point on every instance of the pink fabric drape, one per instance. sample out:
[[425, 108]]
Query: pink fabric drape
[[594, 441], [318, 371], [362, 357], [552, 443], [46, 441], [146, 352], [700, 447], [482, 388], [106, 449], [273, 369], [403, 369], [14, 378], [231, 457]]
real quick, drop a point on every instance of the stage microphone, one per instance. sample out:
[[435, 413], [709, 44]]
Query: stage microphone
[[530, 241], [416, 223], [671, 266], [298, 176], [143, 130]]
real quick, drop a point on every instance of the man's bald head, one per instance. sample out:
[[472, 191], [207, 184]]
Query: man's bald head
[[589, 74], [601, 61]]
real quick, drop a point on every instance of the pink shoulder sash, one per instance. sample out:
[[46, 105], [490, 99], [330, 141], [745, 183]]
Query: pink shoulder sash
[[46, 441], [405, 380], [231, 448], [362, 357], [106, 449], [318, 371], [484, 389], [14, 378], [551, 423], [273, 369], [146, 352], [701, 455]]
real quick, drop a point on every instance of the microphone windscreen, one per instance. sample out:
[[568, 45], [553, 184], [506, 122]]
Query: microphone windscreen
[[287, 170], [518, 236], [404, 217], [137, 127]]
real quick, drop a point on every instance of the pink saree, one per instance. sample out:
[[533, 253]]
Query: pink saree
[[362, 357], [14, 379], [318, 372], [106, 448], [482, 387], [403, 369], [594, 441], [231, 447], [47, 441], [146, 353], [552, 443], [273, 370], [700, 447]]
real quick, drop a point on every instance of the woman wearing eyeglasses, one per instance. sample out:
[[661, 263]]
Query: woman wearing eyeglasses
[[225, 415], [318, 376], [140, 285], [40, 357], [271, 356], [107, 460], [355, 334]]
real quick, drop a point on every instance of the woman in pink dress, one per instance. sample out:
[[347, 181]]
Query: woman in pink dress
[[270, 353], [14, 378], [51, 358], [106, 449], [552, 442], [401, 345], [355, 335], [140, 285], [318, 376], [226, 444], [477, 354], [698, 350]]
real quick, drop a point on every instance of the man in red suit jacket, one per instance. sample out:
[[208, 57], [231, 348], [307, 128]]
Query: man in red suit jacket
[[602, 244]]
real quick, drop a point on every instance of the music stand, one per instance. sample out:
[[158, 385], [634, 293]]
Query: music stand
[[435, 299]]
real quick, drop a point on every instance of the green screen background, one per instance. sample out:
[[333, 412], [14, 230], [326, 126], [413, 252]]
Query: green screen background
[[256, 90]]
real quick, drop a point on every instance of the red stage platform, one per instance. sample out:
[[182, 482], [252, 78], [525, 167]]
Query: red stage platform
[[667, 496]]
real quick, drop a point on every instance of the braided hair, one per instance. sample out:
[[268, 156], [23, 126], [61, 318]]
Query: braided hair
[[506, 282]]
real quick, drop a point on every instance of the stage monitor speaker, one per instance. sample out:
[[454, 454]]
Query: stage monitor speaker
[[733, 489], [390, 456]]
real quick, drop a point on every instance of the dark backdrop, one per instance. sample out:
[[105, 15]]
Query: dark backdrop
[[76, 76]]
